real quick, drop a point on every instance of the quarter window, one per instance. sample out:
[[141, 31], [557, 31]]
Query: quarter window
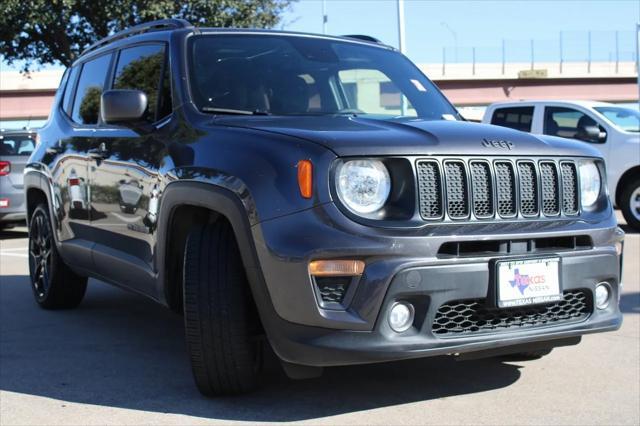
[[518, 118], [68, 91], [86, 106], [142, 68]]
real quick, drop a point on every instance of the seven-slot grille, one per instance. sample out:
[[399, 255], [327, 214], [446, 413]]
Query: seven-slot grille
[[501, 188]]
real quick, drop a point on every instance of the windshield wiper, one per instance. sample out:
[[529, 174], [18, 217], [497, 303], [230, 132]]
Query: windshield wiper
[[234, 111]]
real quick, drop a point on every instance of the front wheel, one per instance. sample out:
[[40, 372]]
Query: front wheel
[[54, 284], [221, 323], [630, 203]]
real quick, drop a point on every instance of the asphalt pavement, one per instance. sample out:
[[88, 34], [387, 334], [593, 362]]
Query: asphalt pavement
[[121, 359]]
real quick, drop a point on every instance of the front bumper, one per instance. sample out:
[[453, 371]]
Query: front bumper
[[407, 266]]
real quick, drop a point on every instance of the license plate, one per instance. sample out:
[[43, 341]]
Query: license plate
[[528, 282]]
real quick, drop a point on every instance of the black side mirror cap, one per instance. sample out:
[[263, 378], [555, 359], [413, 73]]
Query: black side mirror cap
[[125, 107]]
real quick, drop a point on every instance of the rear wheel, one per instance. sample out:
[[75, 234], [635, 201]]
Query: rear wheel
[[54, 284], [630, 203], [221, 322]]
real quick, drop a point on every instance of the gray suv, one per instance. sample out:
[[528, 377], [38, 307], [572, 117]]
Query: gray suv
[[15, 148], [317, 194]]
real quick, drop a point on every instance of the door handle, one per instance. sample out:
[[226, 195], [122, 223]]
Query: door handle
[[99, 153]]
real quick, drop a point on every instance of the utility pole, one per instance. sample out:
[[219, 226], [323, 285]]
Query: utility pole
[[617, 52], [561, 52], [638, 59], [455, 40], [504, 56], [532, 55], [325, 18], [402, 47], [589, 46]]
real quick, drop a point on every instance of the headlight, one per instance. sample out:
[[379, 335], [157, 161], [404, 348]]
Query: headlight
[[589, 183], [363, 185]]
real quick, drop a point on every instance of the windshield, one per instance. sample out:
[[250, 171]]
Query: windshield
[[16, 145], [296, 75], [625, 118]]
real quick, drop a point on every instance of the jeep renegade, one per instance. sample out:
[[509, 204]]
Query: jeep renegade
[[316, 192]]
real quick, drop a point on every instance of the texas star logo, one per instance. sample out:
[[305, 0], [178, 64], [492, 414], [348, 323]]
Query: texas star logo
[[523, 281]]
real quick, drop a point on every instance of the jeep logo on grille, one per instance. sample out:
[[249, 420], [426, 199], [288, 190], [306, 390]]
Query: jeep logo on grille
[[497, 143]]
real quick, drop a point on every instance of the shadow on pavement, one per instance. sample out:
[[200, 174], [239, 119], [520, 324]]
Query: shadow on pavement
[[13, 233], [120, 350], [628, 230], [630, 303]]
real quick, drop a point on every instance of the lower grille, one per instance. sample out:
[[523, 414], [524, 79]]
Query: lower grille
[[465, 317], [332, 289]]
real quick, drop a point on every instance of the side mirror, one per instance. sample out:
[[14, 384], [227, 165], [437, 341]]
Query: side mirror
[[126, 107], [592, 134]]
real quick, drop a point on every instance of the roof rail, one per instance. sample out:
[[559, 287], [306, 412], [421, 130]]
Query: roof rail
[[363, 37], [161, 24]]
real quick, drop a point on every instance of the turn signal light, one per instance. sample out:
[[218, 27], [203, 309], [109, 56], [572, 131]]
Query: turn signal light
[[336, 268], [305, 178]]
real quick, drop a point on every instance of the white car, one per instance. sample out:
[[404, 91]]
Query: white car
[[612, 129]]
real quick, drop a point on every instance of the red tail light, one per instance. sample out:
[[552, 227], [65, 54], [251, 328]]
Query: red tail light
[[4, 202], [74, 181], [5, 168]]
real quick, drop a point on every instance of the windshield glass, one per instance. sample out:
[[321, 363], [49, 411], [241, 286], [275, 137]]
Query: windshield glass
[[625, 118], [296, 75]]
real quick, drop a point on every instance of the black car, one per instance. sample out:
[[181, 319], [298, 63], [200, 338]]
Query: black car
[[317, 191]]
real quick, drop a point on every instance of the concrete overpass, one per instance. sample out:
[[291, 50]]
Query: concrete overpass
[[23, 98]]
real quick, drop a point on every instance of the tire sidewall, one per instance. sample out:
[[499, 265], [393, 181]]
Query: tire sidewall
[[629, 216]]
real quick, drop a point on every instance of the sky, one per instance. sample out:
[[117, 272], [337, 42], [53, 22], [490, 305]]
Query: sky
[[458, 26], [432, 25]]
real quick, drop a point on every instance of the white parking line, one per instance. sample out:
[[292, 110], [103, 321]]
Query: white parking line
[[14, 249], [3, 253]]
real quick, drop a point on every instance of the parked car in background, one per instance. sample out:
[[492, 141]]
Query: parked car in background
[[613, 130], [15, 148]]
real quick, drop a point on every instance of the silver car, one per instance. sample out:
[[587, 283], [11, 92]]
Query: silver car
[[15, 149]]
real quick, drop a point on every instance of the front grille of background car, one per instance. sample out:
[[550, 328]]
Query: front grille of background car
[[453, 189], [475, 316]]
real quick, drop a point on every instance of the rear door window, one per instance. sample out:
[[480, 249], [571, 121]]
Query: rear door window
[[518, 118], [143, 68], [86, 106]]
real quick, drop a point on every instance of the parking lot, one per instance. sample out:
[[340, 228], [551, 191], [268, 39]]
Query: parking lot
[[120, 359]]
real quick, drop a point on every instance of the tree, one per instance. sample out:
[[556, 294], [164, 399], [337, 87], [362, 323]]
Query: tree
[[41, 32]]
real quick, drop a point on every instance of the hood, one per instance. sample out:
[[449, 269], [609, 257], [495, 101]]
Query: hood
[[358, 136]]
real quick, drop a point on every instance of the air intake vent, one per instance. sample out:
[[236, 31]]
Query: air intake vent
[[549, 183], [482, 189], [457, 193], [506, 189], [430, 190], [528, 189], [466, 317], [569, 188]]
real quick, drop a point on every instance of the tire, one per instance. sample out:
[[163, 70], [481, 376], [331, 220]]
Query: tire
[[221, 323], [630, 203], [54, 284]]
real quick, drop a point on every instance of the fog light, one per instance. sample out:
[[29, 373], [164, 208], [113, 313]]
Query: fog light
[[401, 316], [602, 295]]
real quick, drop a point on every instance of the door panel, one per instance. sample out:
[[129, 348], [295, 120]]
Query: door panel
[[125, 181]]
